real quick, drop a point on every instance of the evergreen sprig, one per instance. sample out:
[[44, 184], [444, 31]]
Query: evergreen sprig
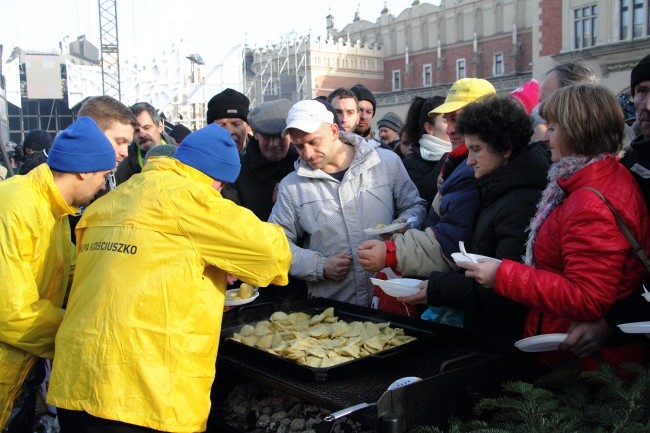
[[566, 400]]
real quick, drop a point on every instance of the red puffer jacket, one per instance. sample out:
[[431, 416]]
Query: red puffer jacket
[[584, 262]]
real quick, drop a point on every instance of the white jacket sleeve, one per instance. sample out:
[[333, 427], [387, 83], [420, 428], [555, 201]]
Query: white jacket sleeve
[[306, 264]]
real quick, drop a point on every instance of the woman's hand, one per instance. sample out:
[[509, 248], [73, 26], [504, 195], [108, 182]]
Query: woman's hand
[[483, 272], [419, 298]]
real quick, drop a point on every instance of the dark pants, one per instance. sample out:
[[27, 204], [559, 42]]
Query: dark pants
[[23, 412], [75, 421]]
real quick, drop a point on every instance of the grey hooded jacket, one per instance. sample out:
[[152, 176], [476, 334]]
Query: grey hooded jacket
[[327, 217]]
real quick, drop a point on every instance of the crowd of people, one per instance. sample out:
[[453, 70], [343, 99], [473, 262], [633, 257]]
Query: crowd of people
[[119, 238]]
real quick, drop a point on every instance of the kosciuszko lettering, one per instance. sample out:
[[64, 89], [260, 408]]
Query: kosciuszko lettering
[[117, 247]]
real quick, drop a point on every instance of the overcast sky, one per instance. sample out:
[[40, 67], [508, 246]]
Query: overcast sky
[[211, 26]]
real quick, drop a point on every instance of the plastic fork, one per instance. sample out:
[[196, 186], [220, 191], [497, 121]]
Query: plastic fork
[[461, 245]]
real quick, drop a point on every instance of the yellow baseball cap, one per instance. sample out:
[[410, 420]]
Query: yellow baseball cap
[[463, 92]]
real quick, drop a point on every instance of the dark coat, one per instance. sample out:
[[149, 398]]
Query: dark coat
[[634, 308], [508, 199], [257, 179], [253, 190], [131, 164], [424, 174]]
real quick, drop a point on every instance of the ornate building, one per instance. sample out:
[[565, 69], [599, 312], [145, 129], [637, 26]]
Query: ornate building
[[610, 36], [421, 51]]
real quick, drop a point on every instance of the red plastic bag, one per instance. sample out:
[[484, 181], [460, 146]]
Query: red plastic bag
[[384, 302]]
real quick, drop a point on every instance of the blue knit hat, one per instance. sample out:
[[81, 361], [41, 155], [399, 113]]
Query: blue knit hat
[[212, 151], [81, 148]]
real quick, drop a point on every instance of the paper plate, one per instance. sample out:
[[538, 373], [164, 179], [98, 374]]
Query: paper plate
[[460, 258], [236, 302], [398, 287], [541, 343], [386, 229], [635, 327]]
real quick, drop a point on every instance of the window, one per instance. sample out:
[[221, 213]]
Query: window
[[625, 10], [460, 69], [426, 75], [634, 16], [585, 26], [497, 68], [397, 85], [637, 19]]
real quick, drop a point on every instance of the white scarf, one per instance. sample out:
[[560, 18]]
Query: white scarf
[[553, 195], [432, 148]]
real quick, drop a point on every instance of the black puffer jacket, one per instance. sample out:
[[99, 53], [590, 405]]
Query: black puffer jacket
[[257, 179], [423, 173], [509, 199], [634, 308]]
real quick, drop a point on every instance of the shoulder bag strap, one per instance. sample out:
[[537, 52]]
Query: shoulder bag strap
[[638, 249]]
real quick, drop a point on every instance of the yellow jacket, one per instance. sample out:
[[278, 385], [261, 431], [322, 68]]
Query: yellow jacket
[[35, 260], [139, 340]]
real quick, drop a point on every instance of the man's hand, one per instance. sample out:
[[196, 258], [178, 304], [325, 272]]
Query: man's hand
[[419, 298], [372, 255], [586, 338], [337, 266], [483, 272]]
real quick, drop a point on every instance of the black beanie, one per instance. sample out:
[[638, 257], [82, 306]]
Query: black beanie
[[179, 132], [37, 140], [641, 72], [363, 94], [229, 104]]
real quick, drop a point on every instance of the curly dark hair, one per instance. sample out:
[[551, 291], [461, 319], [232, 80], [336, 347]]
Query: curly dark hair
[[499, 121]]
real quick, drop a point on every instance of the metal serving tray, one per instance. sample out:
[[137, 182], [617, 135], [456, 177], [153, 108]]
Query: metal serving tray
[[233, 321]]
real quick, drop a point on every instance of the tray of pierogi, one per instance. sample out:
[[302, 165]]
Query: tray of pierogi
[[318, 339]]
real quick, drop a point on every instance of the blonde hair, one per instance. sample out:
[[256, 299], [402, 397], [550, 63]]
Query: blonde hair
[[589, 118]]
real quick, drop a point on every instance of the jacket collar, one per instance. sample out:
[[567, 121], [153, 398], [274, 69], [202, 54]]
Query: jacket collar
[[174, 165], [602, 168], [42, 175]]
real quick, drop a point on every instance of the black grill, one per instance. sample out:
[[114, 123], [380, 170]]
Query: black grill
[[471, 359]]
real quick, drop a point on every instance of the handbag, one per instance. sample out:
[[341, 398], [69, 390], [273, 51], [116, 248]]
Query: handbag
[[638, 249]]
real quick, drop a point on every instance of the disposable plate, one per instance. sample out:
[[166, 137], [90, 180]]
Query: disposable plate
[[635, 327], [386, 229], [398, 287], [460, 258], [237, 302], [541, 343]]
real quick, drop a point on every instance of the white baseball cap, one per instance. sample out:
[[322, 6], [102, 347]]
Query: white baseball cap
[[307, 116]]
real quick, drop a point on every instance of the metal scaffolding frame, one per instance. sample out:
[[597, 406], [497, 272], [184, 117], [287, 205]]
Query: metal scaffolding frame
[[289, 58], [110, 53]]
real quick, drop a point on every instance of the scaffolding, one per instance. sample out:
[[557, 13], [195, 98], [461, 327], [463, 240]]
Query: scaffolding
[[282, 71], [110, 54]]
